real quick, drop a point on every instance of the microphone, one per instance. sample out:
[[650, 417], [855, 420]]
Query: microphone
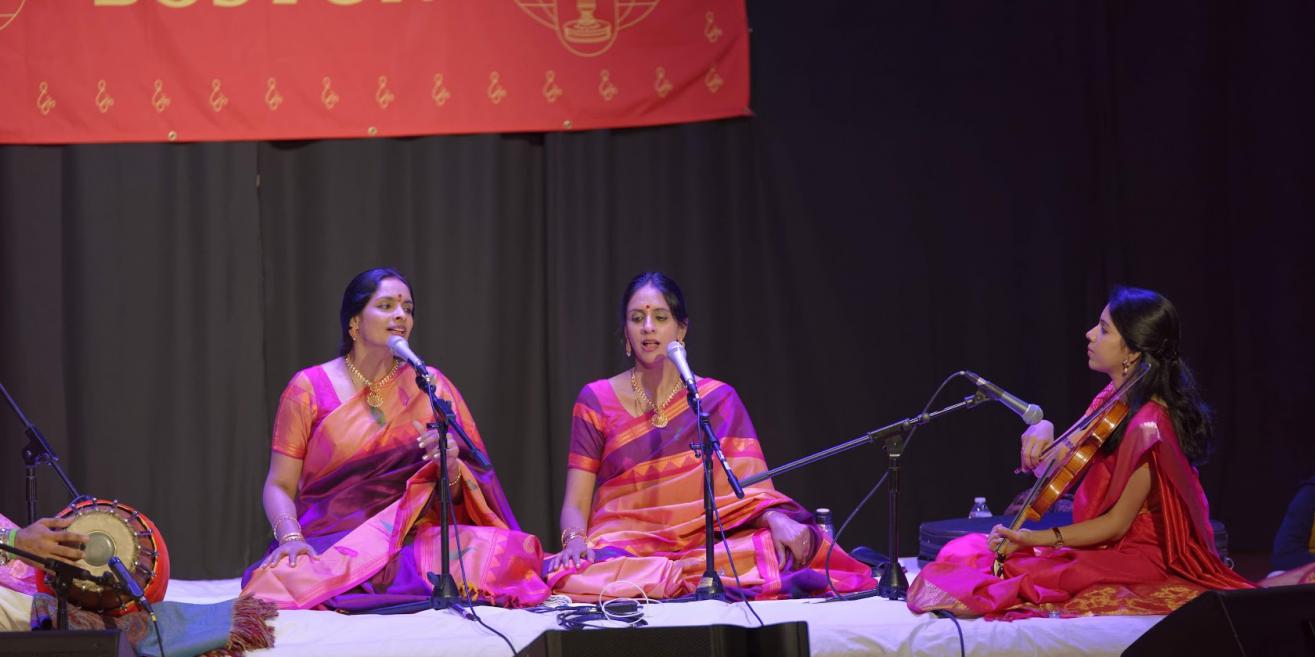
[[403, 350], [130, 585], [1031, 413], [676, 354]]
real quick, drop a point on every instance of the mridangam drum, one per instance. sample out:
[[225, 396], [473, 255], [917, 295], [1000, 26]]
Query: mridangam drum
[[116, 529]]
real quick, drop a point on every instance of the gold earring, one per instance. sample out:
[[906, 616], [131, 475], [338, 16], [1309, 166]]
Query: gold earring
[[627, 349], [1125, 367]]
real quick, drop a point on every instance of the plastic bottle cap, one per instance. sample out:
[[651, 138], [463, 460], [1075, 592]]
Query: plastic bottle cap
[[823, 510], [979, 500]]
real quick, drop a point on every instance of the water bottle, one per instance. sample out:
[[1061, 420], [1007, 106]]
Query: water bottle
[[980, 509], [823, 518]]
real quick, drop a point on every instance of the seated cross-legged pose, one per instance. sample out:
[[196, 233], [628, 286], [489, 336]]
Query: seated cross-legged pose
[[633, 513]]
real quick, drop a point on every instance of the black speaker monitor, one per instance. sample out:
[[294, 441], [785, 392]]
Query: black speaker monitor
[[778, 640], [1273, 622]]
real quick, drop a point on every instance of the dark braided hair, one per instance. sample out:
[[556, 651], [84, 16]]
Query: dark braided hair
[[1149, 324]]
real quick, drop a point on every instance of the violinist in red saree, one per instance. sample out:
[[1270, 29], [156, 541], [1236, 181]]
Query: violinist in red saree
[[1141, 540]]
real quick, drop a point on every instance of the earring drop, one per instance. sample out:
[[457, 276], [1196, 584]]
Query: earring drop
[[1125, 367], [627, 349]]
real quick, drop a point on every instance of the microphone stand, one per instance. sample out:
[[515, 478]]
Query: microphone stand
[[710, 586], [892, 582], [37, 452], [60, 578], [445, 594]]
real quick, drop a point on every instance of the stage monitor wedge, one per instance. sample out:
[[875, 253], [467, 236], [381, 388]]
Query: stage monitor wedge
[[66, 643], [778, 640], [1274, 622]]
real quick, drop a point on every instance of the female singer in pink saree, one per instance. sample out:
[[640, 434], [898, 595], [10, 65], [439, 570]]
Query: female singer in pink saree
[[633, 513], [1141, 541], [351, 489]]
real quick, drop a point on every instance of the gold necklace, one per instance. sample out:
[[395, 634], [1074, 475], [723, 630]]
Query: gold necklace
[[659, 419], [373, 398]]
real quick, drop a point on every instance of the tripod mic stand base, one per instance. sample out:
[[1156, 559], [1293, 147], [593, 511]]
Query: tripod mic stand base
[[710, 588], [892, 583], [444, 596]]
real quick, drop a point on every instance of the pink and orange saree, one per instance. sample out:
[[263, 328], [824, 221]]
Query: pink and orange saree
[[367, 503], [647, 523], [1166, 558]]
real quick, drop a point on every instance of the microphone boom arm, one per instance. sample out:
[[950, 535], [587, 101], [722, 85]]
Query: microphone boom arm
[[868, 438]]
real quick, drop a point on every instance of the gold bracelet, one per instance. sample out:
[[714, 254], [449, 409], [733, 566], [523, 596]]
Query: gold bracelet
[[287, 516], [290, 537], [571, 533], [1059, 538]]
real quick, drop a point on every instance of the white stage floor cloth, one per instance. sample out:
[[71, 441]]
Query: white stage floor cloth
[[860, 627]]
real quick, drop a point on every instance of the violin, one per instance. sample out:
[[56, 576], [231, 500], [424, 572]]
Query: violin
[[1065, 459]]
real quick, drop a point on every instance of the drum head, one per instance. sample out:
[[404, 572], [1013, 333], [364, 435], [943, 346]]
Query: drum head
[[108, 535]]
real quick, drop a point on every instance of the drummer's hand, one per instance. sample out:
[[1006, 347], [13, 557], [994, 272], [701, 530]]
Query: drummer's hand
[[49, 537], [429, 442], [789, 536], [576, 554], [1034, 441], [293, 551], [1011, 539]]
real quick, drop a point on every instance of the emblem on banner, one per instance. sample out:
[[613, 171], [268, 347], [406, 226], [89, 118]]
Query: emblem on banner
[[327, 95], [551, 90], [496, 91], [384, 96], [272, 96], [662, 85], [45, 102], [605, 87], [713, 80], [158, 99], [9, 11], [217, 98], [104, 101], [588, 28], [712, 31], [440, 93]]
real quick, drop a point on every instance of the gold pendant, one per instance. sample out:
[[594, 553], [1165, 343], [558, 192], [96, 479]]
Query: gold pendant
[[659, 420], [374, 399]]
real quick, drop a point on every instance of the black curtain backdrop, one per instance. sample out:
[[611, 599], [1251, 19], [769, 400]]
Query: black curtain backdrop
[[923, 187]]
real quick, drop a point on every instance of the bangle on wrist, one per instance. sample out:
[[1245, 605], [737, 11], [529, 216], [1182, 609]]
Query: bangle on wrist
[[290, 537], [572, 533], [1059, 538], [287, 516]]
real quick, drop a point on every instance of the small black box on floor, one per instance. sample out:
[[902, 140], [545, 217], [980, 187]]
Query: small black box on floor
[[70, 643], [1255, 623], [779, 640]]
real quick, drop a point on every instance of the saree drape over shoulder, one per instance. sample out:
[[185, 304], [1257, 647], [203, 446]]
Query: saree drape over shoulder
[[1166, 558], [647, 521], [367, 503]]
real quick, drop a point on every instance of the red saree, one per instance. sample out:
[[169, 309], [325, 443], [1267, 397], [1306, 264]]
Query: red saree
[[647, 523], [365, 502], [1166, 558]]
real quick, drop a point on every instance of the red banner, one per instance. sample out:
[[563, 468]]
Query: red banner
[[205, 70]]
